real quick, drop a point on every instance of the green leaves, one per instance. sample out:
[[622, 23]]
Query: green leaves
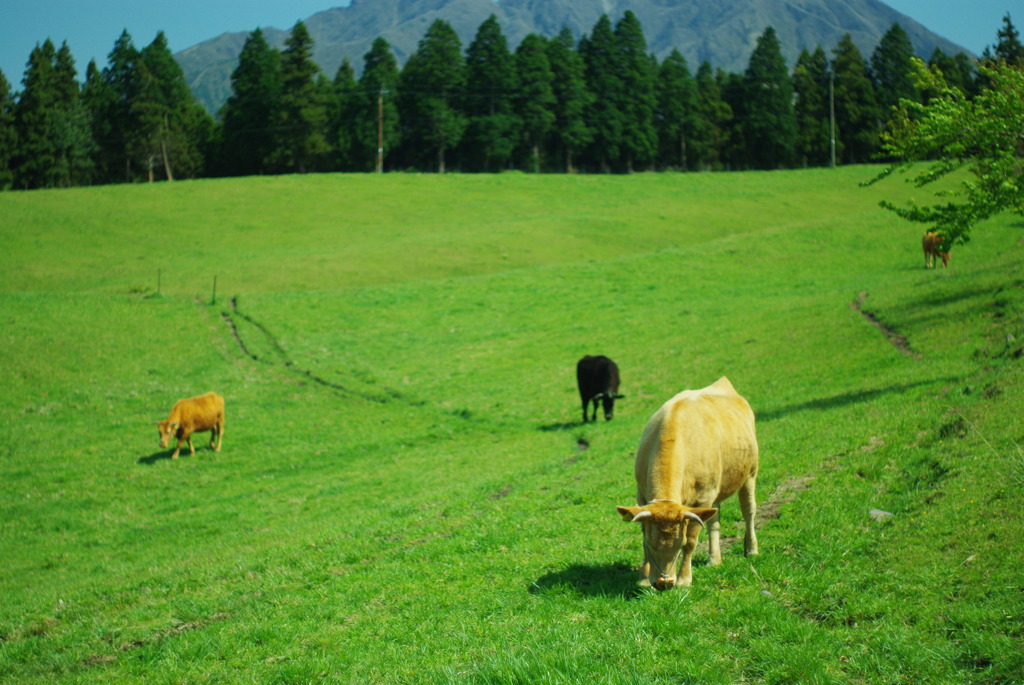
[[985, 135]]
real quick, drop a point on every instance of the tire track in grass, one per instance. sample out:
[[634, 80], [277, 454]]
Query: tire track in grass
[[280, 358], [156, 637], [895, 339]]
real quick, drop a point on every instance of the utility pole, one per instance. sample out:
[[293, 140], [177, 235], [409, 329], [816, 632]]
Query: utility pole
[[832, 118], [380, 131]]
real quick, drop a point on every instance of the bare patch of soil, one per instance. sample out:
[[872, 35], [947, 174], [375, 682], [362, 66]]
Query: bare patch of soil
[[785, 493], [501, 494]]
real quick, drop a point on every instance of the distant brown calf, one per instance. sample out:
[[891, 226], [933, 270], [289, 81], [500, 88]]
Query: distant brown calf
[[931, 243], [194, 415]]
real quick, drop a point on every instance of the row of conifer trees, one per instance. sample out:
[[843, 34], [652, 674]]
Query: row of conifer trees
[[598, 104]]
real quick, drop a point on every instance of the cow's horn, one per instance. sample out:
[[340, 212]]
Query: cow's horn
[[691, 515], [642, 514]]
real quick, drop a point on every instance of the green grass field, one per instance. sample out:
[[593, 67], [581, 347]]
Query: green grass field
[[406, 493]]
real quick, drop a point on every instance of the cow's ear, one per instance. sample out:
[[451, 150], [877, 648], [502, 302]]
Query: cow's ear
[[630, 513], [705, 514]]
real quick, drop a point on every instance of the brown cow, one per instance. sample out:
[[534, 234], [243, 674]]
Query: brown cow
[[931, 243], [196, 414], [698, 449]]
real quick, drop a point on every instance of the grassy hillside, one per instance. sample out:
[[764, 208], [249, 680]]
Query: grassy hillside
[[406, 493]]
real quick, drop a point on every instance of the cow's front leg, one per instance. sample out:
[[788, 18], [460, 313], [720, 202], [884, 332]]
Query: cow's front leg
[[714, 540], [176, 450], [645, 570], [684, 577], [191, 449]]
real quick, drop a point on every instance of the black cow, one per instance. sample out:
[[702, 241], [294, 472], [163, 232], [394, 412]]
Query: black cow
[[598, 379]]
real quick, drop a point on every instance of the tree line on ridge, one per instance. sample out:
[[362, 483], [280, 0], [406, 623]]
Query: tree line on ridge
[[600, 104]]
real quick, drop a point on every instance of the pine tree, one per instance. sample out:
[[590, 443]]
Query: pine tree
[[677, 112], [639, 137], [98, 98], [301, 118], [811, 84], [958, 71], [492, 129], [71, 124], [857, 116], [170, 121], [332, 95], [36, 155], [536, 95], [769, 122], [601, 56], [736, 154], [377, 113], [714, 119], [54, 141], [343, 100], [891, 70], [1009, 48], [431, 86], [248, 116], [112, 112], [573, 99], [8, 139]]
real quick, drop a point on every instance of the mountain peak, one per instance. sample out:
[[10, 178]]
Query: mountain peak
[[722, 32]]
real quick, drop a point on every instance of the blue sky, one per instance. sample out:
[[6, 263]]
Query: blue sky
[[91, 26]]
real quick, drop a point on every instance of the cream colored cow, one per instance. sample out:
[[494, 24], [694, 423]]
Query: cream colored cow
[[698, 449]]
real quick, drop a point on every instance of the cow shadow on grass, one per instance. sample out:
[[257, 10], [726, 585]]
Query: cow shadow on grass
[[554, 427], [159, 456], [590, 580], [844, 399]]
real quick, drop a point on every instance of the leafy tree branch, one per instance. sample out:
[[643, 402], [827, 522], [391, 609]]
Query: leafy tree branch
[[984, 134]]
